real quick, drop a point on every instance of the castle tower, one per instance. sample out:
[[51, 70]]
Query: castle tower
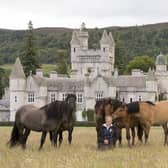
[[107, 46], [161, 63], [17, 88], [151, 85], [83, 37], [86, 61], [75, 46]]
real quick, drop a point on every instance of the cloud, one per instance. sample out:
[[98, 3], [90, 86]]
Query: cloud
[[70, 13]]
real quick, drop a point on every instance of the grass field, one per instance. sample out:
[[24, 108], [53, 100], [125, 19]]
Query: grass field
[[82, 153], [46, 68]]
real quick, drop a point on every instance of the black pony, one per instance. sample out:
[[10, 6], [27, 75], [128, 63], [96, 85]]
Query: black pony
[[48, 118]]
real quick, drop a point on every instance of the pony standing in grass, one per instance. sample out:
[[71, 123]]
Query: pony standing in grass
[[148, 114], [48, 118]]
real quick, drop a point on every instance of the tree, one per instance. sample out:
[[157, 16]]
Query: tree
[[2, 74], [30, 56], [120, 55], [62, 66], [140, 62]]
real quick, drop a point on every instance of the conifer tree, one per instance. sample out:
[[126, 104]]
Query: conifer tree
[[1, 82], [30, 56]]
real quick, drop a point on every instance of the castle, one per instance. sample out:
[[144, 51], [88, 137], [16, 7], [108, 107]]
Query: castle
[[92, 77]]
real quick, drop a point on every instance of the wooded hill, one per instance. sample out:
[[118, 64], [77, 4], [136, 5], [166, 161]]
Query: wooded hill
[[130, 42]]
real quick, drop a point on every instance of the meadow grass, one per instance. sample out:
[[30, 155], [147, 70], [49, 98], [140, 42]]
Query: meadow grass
[[83, 153], [46, 68]]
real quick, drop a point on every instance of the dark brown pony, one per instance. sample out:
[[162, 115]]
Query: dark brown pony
[[67, 125], [103, 107], [49, 118]]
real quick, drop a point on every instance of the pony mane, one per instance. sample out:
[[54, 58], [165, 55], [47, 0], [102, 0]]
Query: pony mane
[[133, 107], [149, 102], [54, 110], [116, 104]]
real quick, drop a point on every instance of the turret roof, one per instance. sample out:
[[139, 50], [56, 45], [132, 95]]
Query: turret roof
[[161, 59], [17, 70]]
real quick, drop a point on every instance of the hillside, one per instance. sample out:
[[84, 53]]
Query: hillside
[[131, 42]]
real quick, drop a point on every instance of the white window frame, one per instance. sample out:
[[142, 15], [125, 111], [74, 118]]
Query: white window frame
[[64, 96], [31, 97], [52, 97], [15, 99], [79, 98], [99, 95]]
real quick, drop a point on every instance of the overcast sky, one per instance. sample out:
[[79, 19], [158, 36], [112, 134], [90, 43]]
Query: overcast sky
[[15, 14]]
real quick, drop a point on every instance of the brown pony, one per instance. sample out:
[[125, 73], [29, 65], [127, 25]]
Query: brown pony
[[147, 113]]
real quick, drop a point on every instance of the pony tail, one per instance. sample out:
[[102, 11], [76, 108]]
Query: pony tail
[[14, 136]]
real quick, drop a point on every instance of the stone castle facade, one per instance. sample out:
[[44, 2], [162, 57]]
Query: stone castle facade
[[93, 76]]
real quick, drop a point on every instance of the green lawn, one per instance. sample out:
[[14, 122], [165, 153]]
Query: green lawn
[[83, 153], [47, 68]]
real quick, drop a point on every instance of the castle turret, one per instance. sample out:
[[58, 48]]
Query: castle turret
[[151, 83], [75, 46], [107, 46], [161, 63], [83, 37], [104, 42], [17, 88]]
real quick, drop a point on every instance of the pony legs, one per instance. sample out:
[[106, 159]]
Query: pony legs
[[43, 138], [146, 129], [25, 136], [60, 138], [70, 135], [133, 135], [120, 136], [165, 129], [128, 136], [140, 133]]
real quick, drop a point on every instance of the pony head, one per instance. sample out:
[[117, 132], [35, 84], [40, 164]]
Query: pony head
[[120, 112], [71, 99], [111, 105], [99, 110]]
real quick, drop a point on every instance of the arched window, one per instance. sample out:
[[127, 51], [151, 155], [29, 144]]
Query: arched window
[[104, 49], [74, 49], [15, 99], [99, 95]]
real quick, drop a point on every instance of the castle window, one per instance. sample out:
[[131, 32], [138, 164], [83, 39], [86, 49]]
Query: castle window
[[74, 49], [140, 98], [104, 49], [64, 96], [79, 98], [52, 97], [99, 95], [15, 99], [31, 97]]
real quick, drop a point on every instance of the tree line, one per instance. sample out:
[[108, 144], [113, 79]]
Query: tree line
[[136, 47]]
